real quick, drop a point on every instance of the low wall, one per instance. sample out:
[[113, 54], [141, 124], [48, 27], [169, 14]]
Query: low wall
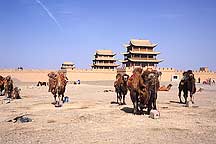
[[167, 74], [94, 75], [26, 75], [91, 75], [73, 75]]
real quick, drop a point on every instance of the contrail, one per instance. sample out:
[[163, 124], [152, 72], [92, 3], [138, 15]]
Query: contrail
[[49, 14]]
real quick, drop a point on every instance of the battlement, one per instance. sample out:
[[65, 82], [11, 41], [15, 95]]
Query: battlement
[[35, 75]]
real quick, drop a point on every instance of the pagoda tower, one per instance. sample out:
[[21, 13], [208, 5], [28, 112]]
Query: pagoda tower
[[104, 59], [140, 53]]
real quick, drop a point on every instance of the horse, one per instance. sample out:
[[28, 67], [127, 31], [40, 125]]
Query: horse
[[186, 84], [121, 87]]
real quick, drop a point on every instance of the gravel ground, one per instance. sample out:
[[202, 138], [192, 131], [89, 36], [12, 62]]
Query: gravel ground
[[91, 116]]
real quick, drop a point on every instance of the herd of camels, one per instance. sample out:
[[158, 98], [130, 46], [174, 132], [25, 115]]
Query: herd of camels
[[142, 85]]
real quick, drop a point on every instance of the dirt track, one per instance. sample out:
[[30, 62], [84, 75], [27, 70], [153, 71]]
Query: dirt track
[[92, 117]]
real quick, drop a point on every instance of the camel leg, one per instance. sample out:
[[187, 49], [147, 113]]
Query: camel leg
[[150, 102], [134, 99], [191, 97], [185, 96], [55, 98], [117, 97], [120, 98], [62, 97], [135, 107], [179, 94], [124, 100], [154, 101], [59, 98]]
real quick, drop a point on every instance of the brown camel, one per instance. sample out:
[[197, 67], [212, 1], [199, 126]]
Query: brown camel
[[165, 88], [2, 81], [8, 85], [138, 91], [57, 85], [121, 87]]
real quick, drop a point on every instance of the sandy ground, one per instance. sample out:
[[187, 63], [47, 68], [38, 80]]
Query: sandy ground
[[92, 117]]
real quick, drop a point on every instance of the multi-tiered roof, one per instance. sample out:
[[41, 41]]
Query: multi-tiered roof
[[68, 65], [104, 59], [140, 53]]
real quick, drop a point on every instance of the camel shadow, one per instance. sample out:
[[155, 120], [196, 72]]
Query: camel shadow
[[175, 102], [127, 110], [113, 102], [130, 110]]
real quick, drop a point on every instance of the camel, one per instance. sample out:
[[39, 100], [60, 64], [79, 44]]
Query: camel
[[8, 85], [57, 86], [138, 91], [121, 87], [41, 83], [165, 88], [187, 84], [153, 86], [143, 88], [16, 93], [2, 81]]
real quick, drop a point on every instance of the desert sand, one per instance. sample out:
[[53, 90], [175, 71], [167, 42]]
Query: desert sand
[[91, 116]]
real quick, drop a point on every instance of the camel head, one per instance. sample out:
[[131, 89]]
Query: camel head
[[125, 77]]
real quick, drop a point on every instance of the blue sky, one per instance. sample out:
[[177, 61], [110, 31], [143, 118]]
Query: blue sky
[[45, 33]]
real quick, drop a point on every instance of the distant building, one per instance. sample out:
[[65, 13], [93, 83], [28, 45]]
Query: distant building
[[68, 65], [204, 69], [104, 59], [140, 53]]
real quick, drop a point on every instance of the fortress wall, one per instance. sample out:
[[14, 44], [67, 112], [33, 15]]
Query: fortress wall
[[167, 74], [95, 75], [41, 75], [91, 75], [204, 75], [26, 75]]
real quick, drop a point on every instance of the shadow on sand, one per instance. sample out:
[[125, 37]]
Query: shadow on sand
[[130, 110], [113, 102], [127, 109], [175, 102]]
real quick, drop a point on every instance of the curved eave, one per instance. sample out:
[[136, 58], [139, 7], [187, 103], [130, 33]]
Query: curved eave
[[140, 52], [152, 45], [125, 53], [126, 45], [139, 60], [143, 44], [108, 65], [104, 59], [104, 54], [123, 61]]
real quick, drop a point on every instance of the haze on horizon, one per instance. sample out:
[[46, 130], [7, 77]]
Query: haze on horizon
[[45, 33]]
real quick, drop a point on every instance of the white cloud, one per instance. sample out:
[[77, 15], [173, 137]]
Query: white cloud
[[49, 14]]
